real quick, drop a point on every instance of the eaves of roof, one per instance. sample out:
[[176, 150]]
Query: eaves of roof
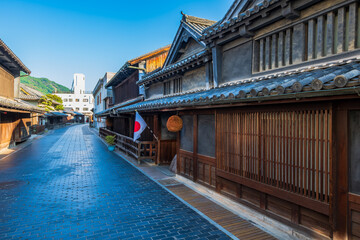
[[121, 75], [150, 55], [18, 104], [337, 78], [242, 17], [123, 104], [14, 58]]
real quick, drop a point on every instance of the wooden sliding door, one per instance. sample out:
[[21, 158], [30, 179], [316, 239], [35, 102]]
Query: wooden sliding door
[[354, 174]]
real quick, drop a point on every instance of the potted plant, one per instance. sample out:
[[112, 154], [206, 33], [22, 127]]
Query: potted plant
[[111, 141]]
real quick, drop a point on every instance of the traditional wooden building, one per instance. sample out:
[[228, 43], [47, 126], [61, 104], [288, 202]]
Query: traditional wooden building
[[125, 91], [15, 115], [272, 120]]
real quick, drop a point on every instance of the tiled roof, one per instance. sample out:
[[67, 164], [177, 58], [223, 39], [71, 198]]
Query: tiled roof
[[196, 23], [216, 28], [18, 104], [172, 67], [32, 94], [5, 48], [129, 102], [321, 80]]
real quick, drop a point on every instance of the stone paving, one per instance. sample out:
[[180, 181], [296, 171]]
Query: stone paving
[[67, 185]]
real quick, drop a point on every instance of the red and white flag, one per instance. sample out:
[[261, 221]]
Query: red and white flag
[[139, 126]]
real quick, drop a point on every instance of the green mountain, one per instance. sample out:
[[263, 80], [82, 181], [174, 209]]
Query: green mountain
[[43, 85]]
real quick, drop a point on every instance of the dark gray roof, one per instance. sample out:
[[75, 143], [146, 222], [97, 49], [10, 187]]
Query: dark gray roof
[[329, 79], [196, 23], [114, 108], [10, 60], [18, 104], [32, 93], [218, 27]]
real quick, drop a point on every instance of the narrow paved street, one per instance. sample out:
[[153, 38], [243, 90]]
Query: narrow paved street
[[67, 185]]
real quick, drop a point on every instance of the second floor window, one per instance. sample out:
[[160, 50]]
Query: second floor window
[[65, 100], [77, 100], [173, 86], [177, 85], [167, 88], [70, 100], [85, 100]]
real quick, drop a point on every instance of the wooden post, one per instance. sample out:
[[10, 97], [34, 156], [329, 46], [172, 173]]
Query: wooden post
[[217, 64], [157, 131], [340, 173], [195, 138]]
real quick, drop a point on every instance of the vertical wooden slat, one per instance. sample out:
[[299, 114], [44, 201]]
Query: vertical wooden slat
[[283, 145], [311, 39], [322, 142], [280, 49], [262, 55], [313, 154], [274, 51], [267, 53], [287, 152], [331, 178], [298, 43], [352, 27], [320, 37], [274, 144], [326, 155], [317, 154], [340, 47], [259, 160], [330, 33], [288, 47], [294, 151], [309, 149]]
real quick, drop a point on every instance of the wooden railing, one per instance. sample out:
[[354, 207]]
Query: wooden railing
[[140, 150]]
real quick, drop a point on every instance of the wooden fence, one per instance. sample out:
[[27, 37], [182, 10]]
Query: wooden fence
[[140, 150]]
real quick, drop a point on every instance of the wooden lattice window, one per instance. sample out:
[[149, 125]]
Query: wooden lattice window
[[288, 150], [167, 88], [326, 34], [177, 85]]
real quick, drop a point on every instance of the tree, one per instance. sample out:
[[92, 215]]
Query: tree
[[59, 107], [55, 98]]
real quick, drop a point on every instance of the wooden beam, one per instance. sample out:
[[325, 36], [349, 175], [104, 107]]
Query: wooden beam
[[279, 193]]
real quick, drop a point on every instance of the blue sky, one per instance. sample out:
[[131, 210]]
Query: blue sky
[[57, 38]]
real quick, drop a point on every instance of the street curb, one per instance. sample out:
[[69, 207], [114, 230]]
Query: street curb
[[180, 199]]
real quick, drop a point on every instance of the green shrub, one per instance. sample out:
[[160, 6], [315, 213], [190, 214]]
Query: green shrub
[[110, 140]]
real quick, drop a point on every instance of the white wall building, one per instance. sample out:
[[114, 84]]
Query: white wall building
[[79, 100], [101, 98]]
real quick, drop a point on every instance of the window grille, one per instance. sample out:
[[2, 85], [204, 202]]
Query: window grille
[[324, 35]]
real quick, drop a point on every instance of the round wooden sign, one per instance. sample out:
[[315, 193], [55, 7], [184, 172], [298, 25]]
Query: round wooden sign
[[174, 123]]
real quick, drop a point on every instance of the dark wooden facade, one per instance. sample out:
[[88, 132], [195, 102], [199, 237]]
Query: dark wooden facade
[[15, 117], [127, 89]]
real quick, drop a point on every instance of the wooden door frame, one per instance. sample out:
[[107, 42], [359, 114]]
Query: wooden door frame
[[341, 204]]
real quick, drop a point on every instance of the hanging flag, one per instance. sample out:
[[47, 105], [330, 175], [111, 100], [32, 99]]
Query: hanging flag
[[139, 126]]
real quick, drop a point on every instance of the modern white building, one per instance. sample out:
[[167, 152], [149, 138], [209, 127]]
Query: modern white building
[[78, 99], [102, 97]]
